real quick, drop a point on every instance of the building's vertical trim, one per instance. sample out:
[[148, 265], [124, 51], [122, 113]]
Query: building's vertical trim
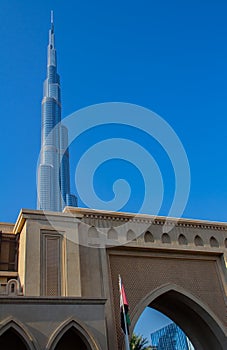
[[51, 264]]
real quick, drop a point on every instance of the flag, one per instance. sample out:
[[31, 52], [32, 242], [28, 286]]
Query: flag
[[124, 309]]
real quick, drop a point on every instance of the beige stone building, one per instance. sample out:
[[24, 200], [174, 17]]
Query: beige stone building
[[59, 278]]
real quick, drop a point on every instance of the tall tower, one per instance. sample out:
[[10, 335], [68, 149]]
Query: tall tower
[[53, 173]]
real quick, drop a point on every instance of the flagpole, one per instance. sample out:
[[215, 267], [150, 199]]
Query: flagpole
[[125, 323]]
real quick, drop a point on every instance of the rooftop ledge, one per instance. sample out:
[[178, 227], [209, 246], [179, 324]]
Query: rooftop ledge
[[76, 214]]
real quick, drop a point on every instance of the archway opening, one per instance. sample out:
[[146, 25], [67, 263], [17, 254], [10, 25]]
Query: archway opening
[[10, 339], [197, 321], [197, 324], [72, 340], [161, 332]]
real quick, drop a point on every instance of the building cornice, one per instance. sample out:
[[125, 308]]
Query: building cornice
[[52, 216], [52, 300], [144, 218], [75, 213]]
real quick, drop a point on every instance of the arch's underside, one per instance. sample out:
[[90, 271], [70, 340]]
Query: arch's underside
[[199, 326]]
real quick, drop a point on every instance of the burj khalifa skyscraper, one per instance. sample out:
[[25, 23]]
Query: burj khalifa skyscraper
[[53, 171]]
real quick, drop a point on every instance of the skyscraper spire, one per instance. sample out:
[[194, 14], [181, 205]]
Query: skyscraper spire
[[52, 18], [51, 53], [51, 31], [53, 172]]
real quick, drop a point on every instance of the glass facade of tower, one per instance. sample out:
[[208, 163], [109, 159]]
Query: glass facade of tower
[[170, 337], [53, 172]]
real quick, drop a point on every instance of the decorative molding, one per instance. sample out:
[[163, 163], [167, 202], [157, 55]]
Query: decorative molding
[[52, 300]]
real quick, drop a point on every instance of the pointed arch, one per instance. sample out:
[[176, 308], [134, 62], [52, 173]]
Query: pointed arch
[[131, 236], [92, 232], [80, 329], [148, 237], [112, 234], [166, 238], [198, 241], [11, 324], [196, 319], [214, 242], [182, 240]]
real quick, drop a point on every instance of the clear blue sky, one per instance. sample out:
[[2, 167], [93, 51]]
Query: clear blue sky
[[150, 321], [168, 56]]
